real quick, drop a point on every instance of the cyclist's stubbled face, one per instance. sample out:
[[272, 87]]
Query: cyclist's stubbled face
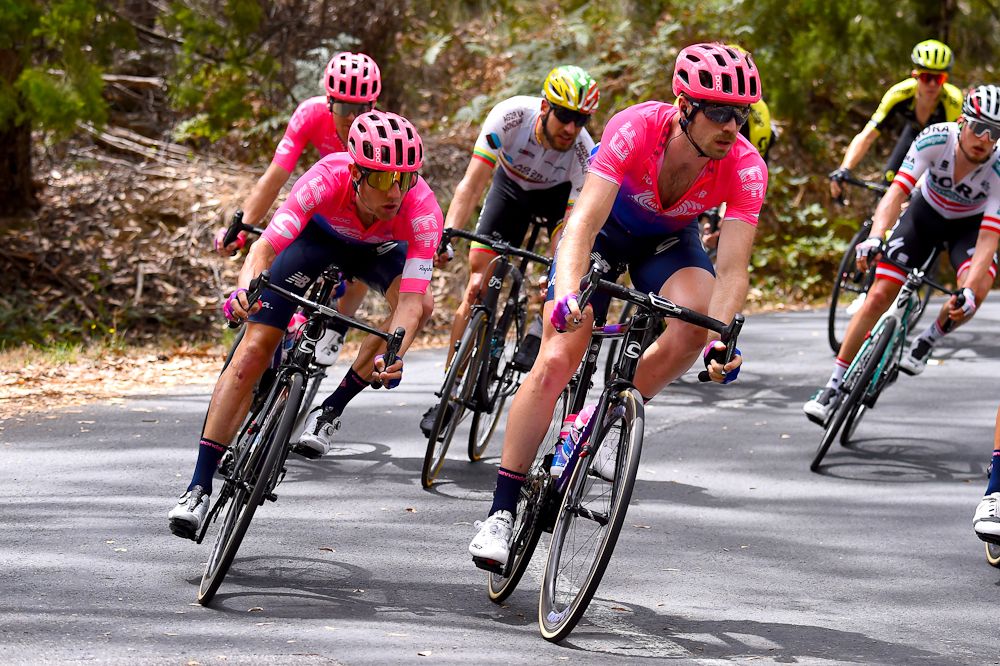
[[343, 125], [976, 148], [383, 205], [715, 139], [560, 135]]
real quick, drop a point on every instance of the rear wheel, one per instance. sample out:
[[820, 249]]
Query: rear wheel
[[258, 453], [456, 392], [856, 384], [533, 507], [590, 519], [850, 287]]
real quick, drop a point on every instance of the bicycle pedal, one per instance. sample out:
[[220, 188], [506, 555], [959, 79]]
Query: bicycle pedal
[[183, 529], [488, 565], [271, 497]]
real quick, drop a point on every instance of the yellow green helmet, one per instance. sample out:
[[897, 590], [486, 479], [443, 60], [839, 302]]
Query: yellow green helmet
[[572, 88], [932, 55]]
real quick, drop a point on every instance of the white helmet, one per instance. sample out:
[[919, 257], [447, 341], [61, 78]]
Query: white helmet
[[983, 103]]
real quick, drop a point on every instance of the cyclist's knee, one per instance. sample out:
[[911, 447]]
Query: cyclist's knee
[[553, 368], [879, 297]]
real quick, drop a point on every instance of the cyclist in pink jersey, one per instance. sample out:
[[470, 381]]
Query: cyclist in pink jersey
[[366, 210], [658, 167], [957, 208], [353, 83]]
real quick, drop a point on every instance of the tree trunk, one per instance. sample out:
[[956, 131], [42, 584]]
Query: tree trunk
[[16, 189]]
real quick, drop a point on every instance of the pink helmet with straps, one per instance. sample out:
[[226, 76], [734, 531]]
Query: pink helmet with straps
[[384, 141], [352, 77], [716, 73]]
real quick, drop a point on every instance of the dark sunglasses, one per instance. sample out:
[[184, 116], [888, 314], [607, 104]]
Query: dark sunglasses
[[723, 113], [567, 116], [344, 109], [928, 77], [384, 180], [979, 128]]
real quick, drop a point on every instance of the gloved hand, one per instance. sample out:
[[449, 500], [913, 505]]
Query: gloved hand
[[713, 356], [389, 377], [566, 315], [232, 248], [234, 302]]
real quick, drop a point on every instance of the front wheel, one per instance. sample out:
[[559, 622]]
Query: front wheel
[[456, 392], [849, 291], [856, 383], [533, 508], [258, 453], [993, 554], [499, 378], [590, 518]]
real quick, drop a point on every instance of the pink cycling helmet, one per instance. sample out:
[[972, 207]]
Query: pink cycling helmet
[[716, 73], [352, 77], [383, 141]]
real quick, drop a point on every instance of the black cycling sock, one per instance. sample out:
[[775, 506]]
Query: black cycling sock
[[339, 327], [994, 484], [209, 454], [351, 385], [508, 488]]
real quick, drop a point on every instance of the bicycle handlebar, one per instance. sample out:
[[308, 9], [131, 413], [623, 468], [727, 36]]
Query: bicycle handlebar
[[236, 226], [728, 333], [876, 186], [496, 244]]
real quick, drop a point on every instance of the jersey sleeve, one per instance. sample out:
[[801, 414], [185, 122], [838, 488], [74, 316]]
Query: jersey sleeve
[[747, 189], [495, 132], [952, 99], [991, 214], [294, 141], [921, 154], [620, 146], [308, 196], [578, 169], [894, 96], [423, 225]]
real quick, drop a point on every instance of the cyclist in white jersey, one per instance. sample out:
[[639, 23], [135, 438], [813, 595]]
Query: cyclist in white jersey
[[543, 151], [957, 207]]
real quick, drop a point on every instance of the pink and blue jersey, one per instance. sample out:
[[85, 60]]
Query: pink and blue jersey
[[325, 194], [312, 123], [631, 154]]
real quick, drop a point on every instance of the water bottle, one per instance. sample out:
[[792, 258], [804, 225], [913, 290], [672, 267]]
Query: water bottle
[[292, 333], [569, 439]]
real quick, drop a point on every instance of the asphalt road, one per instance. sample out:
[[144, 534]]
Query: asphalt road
[[732, 550]]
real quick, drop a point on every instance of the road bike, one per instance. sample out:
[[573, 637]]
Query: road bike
[[583, 510], [876, 365], [255, 464], [486, 368], [850, 285]]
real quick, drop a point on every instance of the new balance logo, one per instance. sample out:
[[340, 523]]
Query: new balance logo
[[299, 280]]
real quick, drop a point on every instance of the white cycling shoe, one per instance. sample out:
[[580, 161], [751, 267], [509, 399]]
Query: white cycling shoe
[[986, 522], [328, 347], [317, 434], [491, 545], [189, 513]]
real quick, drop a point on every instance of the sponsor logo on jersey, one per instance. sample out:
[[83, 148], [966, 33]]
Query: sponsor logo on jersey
[[752, 179], [311, 194], [666, 245], [285, 145], [623, 142], [419, 269], [646, 199], [685, 208], [931, 140], [286, 224], [424, 223], [385, 248], [427, 238]]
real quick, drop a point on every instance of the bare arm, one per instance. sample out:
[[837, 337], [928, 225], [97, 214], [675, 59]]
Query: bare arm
[[732, 270], [979, 269], [585, 221], [855, 153], [468, 193], [259, 258], [263, 194]]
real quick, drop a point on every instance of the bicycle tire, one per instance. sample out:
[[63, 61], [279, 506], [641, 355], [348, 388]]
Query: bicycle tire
[[559, 611], [459, 383], [501, 379], [851, 423], [531, 507], [858, 382], [257, 462], [316, 377], [837, 315], [993, 554]]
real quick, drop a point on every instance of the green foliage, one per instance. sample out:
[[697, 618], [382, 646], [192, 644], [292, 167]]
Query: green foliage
[[221, 71], [61, 47]]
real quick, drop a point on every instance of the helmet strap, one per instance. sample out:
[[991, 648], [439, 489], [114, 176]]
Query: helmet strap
[[685, 120]]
